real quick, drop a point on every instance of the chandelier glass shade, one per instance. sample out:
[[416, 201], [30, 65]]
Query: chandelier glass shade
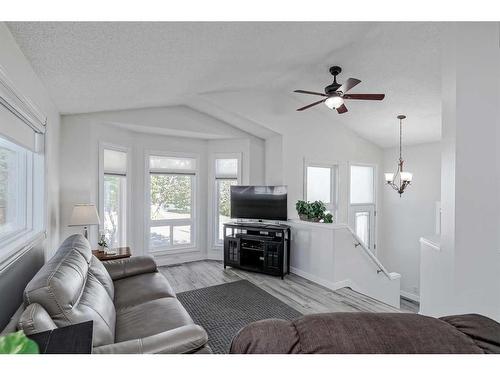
[[401, 179]]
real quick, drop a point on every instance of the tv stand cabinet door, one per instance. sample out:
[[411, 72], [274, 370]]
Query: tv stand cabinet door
[[273, 258], [232, 251]]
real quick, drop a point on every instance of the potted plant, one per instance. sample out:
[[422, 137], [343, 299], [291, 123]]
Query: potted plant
[[17, 343], [313, 211]]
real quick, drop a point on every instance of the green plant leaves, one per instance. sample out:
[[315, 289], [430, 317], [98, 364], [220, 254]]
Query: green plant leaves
[[313, 211], [17, 343]]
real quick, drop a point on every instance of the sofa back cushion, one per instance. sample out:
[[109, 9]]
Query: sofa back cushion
[[99, 271], [70, 293]]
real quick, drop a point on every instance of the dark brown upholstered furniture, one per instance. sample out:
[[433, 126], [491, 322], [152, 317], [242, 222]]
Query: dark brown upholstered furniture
[[376, 333]]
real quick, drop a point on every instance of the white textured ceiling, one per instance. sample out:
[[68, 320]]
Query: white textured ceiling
[[90, 67]]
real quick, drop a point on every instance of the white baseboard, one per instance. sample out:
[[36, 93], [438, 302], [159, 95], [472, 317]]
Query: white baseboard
[[410, 296], [178, 258], [326, 283]]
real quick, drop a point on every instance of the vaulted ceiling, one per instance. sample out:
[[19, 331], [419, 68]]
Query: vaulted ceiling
[[247, 70]]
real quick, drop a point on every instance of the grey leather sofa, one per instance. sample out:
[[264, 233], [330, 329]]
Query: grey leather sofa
[[132, 305]]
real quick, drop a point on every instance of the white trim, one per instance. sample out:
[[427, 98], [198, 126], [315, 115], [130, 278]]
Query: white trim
[[22, 107], [20, 247], [100, 187], [213, 221], [432, 244], [333, 206], [318, 280], [411, 296]]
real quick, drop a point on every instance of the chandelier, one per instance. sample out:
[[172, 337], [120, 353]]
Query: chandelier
[[400, 180]]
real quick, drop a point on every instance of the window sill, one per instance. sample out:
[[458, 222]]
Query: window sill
[[19, 245], [173, 250]]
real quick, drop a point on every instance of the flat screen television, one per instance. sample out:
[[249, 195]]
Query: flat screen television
[[259, 202]]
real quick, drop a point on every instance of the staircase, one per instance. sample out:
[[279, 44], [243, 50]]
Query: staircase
[[333, 256]]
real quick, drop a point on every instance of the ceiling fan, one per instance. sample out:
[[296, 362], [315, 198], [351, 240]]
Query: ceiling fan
[[336, 93]]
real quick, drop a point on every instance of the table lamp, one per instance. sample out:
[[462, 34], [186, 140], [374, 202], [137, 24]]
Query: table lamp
[[84, 215]]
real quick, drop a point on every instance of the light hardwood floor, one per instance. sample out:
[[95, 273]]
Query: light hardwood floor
[[301, 294]]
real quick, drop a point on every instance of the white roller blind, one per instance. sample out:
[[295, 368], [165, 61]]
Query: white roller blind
[[226, 168], [20, 120], [169, 163], [115, 162], [12, 128]]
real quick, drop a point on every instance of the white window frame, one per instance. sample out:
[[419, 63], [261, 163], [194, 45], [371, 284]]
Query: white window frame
[[364, 207], [115, 147], [193, 221], [216, 242], [29, 201], [333, 206]]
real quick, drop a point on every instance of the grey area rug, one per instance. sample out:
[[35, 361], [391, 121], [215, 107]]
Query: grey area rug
[[224, 309]]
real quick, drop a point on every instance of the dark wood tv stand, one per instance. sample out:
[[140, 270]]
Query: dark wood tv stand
[[258, 247]]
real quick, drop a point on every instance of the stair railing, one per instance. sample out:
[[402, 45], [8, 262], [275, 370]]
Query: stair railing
[[359, 243]]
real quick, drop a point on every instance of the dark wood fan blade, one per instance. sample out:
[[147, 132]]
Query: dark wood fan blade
[[311, 105], [342, 109], [309, 92], [364, 96], [349, 84]]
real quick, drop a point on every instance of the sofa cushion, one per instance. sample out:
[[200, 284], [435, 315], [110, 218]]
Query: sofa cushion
[[101, 274], [138, 289], [59, 283], [360, 333], [150, 318], [71, 294]]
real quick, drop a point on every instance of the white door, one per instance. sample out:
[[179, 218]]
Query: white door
[[362, 203], [362, 221]]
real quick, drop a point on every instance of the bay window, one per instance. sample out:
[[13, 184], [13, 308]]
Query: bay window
[[114, 196], [172, 192]]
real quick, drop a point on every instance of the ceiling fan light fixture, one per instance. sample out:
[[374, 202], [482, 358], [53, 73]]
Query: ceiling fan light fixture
[[334, 102]]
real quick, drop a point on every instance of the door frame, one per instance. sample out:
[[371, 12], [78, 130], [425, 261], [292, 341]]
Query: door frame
[[352, 208]]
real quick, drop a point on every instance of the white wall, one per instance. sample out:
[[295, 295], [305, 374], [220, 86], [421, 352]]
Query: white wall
[[20, 72], [80, 138], [469, 260], [318, 135], [335, 145], [274, 160], [405, 219]]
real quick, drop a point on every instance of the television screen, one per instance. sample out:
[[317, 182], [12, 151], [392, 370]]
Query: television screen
[[259, 202]]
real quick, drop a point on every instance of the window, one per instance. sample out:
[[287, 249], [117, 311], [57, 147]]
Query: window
[[15, 199], [172, 187], [114, 197], [320, 184], [226, 175], [362, 203], [362, 185]]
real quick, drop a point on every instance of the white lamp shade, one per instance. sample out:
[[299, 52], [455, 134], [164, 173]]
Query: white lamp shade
[[84, 214], [406, 176], [334, 102], [389, 177]]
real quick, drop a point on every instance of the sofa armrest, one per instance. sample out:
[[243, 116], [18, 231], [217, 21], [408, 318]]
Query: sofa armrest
[[484, 331], [185, 339], [121, 268]]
